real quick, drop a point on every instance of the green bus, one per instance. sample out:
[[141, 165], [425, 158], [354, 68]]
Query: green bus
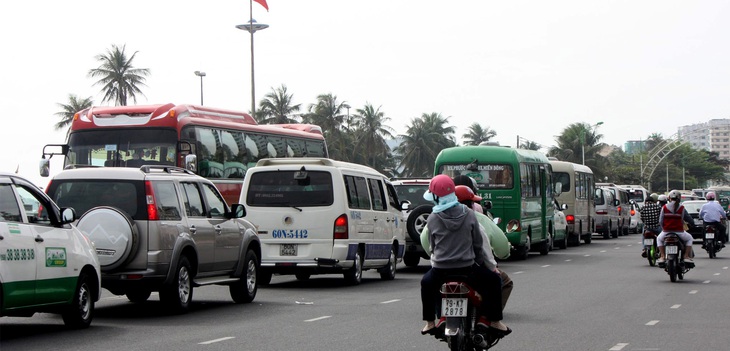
[[518, 184]]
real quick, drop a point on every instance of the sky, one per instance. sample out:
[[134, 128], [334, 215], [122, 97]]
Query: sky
[[525, 69]]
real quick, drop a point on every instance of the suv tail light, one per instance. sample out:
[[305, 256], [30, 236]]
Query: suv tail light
[[152, 214], [570, 219], [341, 231]]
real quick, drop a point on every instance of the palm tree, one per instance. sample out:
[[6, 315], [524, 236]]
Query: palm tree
[[277, 107], [118, 77], [424, 139], [327, 113], [69, 109], [577, 139], [476, 135], [370, 134], [530, 145]]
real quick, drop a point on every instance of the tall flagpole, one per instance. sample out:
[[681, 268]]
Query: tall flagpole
[[253, 91]]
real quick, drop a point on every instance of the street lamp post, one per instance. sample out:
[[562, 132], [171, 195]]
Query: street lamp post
[[201, 75], [252, 27], [583, 141]]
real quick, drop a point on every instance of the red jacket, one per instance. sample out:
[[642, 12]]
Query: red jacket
[[673, 221]]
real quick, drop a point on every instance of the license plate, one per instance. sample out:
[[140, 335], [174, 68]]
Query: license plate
[[698, 222], [453, 307], [288, 250], [671, 250], [709, 235], [648, 242]]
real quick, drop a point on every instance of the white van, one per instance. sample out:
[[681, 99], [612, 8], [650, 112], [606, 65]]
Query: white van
[[319, 216], [637, 195]]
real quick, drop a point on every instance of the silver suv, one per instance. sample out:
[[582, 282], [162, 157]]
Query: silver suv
[[161, 228], [415, 216]]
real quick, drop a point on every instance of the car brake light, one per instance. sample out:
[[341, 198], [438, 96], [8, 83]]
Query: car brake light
[[570, 219], [151, 206], [341, 230]]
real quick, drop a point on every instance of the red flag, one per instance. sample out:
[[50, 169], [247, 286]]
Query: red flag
[[263, 3]]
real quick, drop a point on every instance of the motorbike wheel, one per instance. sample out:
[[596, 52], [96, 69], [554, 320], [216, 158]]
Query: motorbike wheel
[[458, 341], [672, 269], [650, 255], [710, 247]]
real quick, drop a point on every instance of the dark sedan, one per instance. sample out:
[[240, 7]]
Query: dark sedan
[[693, 207]]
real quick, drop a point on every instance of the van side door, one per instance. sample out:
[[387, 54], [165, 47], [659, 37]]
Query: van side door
[[384, 221], [361, 215]]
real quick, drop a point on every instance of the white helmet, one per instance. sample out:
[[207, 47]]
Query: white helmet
[[710, 195], [663, 198], [675, 195]]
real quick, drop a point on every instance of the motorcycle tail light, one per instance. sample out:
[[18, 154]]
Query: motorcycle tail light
[[710, 229], [671, 240], [454, 288]]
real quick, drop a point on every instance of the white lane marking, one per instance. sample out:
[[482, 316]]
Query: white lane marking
[[616, 248], [693, 291], [518, 272], [216, 340], [724, 267], [390, 301], [706, 282], [568, 260], [654, 322], [716, 274], [586, 255], [317, 319], [602, 251], [675, 306], [547, 265], [618, 347], [629, 245]]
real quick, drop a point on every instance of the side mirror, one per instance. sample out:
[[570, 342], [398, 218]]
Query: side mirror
[[558, 188], [190, 162], [405, 205], [616, 203], [44, 167], [497, 220], [68, 215], [237, 211], [564, 207]]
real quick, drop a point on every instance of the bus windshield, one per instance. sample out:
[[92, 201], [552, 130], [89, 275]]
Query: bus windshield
[[488, 176], [122, 147]]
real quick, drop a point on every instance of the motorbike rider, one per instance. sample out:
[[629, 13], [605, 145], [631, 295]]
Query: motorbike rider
[[498, 241], [650, 216], [712, 213], [672, 218], [472, 184], [457, 248], [662, 200]]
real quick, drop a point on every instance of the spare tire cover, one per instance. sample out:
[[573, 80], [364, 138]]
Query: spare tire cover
[[113, 233]]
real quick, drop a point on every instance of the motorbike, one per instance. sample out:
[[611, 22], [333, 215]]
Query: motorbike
[[652, 253], [675, 266], [713, 240], [459, 304]]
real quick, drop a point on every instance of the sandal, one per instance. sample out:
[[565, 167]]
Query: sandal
[[430, 331]]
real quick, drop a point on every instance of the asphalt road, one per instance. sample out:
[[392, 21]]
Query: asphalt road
[[601, 296]]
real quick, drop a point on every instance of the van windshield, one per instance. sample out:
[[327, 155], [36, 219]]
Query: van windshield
[[282, 189], [637, 195]]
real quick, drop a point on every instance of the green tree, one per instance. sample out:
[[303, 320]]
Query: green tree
[[277, 107], [119, 79], [476, 135], [69, 109], [577, 139], [530, 145], [425, 137], [370, 133], [327, 113]]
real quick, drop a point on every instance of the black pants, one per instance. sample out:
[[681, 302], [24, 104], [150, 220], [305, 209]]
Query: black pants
[[486, 282]]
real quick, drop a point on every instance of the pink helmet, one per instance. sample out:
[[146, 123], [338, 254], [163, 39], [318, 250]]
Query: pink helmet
[[441, 185], [710, 195]]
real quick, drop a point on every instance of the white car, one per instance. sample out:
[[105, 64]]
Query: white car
[[46, 263]]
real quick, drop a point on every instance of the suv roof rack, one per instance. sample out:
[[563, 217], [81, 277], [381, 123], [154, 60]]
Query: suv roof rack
[[166, 169]]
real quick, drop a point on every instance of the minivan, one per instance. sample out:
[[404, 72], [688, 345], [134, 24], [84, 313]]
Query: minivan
[[321, 216], [623, 206], [607, 218]]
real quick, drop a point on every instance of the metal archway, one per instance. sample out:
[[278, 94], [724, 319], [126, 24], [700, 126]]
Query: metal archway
[[658, 153]]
